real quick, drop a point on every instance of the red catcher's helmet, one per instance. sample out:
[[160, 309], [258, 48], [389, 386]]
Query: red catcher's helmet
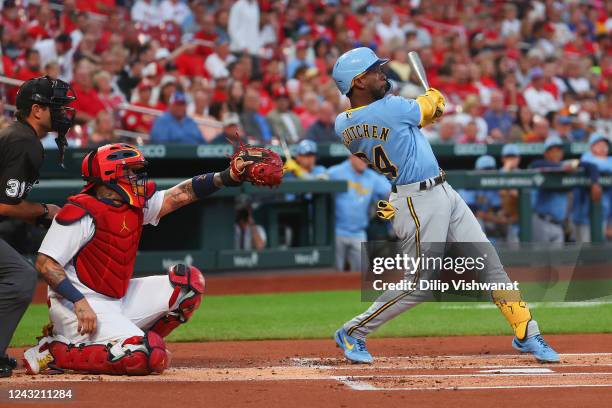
[[120, 167]]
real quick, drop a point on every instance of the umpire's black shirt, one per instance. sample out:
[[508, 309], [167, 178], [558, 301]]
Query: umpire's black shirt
[[21, 156]]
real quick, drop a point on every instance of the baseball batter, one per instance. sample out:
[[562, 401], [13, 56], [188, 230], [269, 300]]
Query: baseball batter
[[384, 131], [102, 320]]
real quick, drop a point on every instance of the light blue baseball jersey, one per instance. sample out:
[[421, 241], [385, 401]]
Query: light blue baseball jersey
[[385, 133], [582, 202], [352, 206]]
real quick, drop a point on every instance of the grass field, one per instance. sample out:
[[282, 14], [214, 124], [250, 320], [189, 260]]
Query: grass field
[[319, 314]]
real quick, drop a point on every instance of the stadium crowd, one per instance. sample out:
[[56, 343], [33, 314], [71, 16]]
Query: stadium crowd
[[194, 72], [515, 71]]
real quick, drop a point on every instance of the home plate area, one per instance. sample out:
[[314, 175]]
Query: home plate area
[[400, 373]]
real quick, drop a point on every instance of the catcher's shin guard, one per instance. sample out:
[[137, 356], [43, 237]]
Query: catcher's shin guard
[[189, 281], [134, 356], [514, 309]]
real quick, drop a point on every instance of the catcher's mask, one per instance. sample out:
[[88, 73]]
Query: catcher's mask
[[120, 167], [55, 94]]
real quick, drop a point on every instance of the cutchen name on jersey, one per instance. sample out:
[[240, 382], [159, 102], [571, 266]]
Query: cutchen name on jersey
[[364, 131]]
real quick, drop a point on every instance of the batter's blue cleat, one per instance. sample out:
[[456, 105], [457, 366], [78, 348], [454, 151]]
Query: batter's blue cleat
[[538, 347], [354, 349]]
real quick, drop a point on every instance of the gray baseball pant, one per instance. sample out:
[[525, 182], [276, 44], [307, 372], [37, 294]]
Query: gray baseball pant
[[17, 284], [423, 218]]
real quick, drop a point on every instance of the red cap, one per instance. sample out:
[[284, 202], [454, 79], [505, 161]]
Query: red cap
[[280, 92], [301, 44], [513, 53], [144, 85]]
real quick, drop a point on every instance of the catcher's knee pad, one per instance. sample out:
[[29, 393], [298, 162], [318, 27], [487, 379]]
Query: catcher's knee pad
[[189, 285], [136, 355], [514, 309]]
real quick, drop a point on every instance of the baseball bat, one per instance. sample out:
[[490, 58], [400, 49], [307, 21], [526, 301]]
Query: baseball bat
[[417, 66], [284, 146]]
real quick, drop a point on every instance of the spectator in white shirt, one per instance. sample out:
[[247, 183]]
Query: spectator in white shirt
[[510, 25], [539, 100], [544, 33], [82, 22], [243, 27], [216, 63], [577, 79], [146, 12], [388, 28], [60, 50], [174, 10]]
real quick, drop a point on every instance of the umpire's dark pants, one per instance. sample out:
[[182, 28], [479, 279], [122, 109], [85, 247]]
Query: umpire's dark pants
[[17, 284]]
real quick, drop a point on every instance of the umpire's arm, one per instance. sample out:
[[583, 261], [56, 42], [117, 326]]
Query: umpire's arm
[[28, 211]]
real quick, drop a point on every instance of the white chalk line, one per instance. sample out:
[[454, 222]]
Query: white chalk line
[[360, 383], [408, 376], [312, 361], [361, 386], [532, 305], [366, 367]]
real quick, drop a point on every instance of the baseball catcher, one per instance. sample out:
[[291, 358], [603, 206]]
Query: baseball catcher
[[102, 320]]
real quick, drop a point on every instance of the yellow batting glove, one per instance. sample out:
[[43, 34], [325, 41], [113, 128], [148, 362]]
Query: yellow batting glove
[[291, 166], [385, 210], [432, 106]]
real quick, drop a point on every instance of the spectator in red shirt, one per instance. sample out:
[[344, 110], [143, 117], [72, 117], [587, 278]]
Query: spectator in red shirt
[[28, 70], [96, 6], [110, 98], [513, 98], [190, 63], [11, 19], [310, 112], [323, 62], [88, 104], [460, 85], [42, 26], [206, 36], [7, 68], [137, 121], [31, 67]]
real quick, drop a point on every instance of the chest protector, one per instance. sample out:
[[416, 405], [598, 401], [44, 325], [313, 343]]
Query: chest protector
[[106, 263]]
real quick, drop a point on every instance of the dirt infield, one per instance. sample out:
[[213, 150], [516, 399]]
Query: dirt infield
[[481, 371]]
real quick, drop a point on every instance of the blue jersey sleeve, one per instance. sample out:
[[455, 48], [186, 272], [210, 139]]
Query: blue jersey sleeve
[[603, 165], [334, 172], [405, 110]]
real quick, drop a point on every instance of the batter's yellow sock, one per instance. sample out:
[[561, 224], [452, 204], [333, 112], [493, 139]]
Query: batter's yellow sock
[[514, 309]]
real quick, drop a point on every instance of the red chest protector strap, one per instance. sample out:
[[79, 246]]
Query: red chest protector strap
[[70, 213]]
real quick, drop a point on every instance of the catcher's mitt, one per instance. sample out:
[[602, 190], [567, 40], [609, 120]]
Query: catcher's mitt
[[267, 167]]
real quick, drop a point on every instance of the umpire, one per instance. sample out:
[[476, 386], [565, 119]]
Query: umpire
[[41, 108]]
